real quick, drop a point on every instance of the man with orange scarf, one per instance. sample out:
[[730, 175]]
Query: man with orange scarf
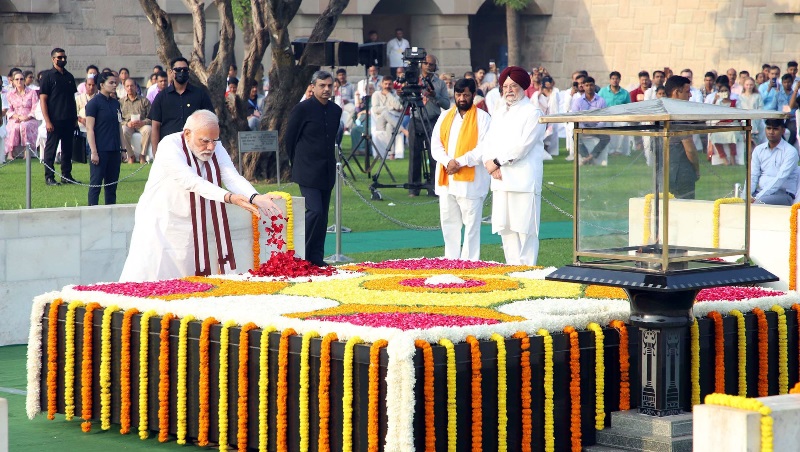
[[461, 179]]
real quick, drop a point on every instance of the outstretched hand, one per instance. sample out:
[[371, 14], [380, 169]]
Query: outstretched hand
[[266, 204], [243, 202]]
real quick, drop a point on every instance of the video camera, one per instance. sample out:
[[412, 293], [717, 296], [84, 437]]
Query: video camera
[[412, 89]]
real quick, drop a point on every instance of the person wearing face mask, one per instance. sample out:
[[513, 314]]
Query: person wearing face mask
[[172, 106], [512, 153], [57, 103], [183, 198], [103, 135]]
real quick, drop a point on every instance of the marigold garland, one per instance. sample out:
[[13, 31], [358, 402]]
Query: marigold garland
[[599, 376], [694, 370], [719, 352], [741, 342], [52, 359], [305, 358], [222, 405], [144, 376], [69, 360], [263, 388], [796, 309], [744, 403], [105, 368], [281, 421], [502, 393], [525, 397], [477, 395], [163, 378], [624, 365], [715, 227], [203, 420], [243, 385], [549, 429], [783, 350], [574, 388], [648, 210], [793, 247], [614, 293], [256, 241], [374, 393], [324, 393], [125, 372], [181, 385], [763, 349], [452, 412], [347, 395], [795, 389], [86, 368], [289, 217]]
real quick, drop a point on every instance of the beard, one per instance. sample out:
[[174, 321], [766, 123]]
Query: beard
[[513, 97], [202, 155], [464, 106]]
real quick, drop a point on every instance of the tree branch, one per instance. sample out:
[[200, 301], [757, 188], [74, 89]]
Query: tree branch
[[197, 8]]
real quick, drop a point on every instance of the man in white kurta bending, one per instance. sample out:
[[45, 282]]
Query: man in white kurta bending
[[513, 152], [184, 191], [461, 179]]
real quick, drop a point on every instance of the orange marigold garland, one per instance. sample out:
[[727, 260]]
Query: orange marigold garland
[[125, 372], [52, 358], [795, 389], [525, 366], [203, 387], [374, 392], [283, 388], [796, 309], [477, 396], [574, 388], [793, 247], [163, 378], [256, 242], [719, 353], [324, 393], [763, 349], [430, 431], [86, 368], [244, 349], [624, 366]]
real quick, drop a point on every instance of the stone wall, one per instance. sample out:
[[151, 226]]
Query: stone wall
[[43, 250]]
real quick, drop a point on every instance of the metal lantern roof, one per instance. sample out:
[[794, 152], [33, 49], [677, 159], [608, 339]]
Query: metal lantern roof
[[662, 110]]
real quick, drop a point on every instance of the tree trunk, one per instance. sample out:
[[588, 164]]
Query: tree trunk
[[288, 80], [512, 32]]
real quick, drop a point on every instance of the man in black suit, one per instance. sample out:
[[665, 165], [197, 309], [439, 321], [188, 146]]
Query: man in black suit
[[310, 142], [57, 100]]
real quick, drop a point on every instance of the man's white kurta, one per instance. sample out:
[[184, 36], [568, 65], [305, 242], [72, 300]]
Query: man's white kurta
[[515, 139], [394, 50], [162, 243], [480, 186]]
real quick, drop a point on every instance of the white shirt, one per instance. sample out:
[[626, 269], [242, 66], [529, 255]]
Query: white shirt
[[478, 187], [697, 95], [162, 242], [650, 94], [773, 169], [516, 140], [394, 50], [492, 98]]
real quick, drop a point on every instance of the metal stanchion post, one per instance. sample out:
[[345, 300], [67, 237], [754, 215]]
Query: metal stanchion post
[[338, 257], [28, 152]]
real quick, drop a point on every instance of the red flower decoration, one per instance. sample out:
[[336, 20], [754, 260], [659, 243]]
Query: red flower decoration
[[406, 320], [286, 265], [149, 289], [420, 282], [430, 264], [735, 293]]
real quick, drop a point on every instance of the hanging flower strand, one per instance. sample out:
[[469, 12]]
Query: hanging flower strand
[[502, 393], [281, 421], [86, 367], [263, 388], [599, 376], [163, 378], [324, 393], [574, 388], [204, 384], [477, 394], [69, 360], [694, 362], [181, 386], [374, 393], [527, 412], [452, 413], [624, 366], [741, 352], [347, 394], [52, 359], [719, 352], [144, 341], [427, 359], [243, 385], [549, 421], [305, 360], [105, 368]]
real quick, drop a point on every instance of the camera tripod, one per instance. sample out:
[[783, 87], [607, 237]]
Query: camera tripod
[[413, 103], [369, 145]]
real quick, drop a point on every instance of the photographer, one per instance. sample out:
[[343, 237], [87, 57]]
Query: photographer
[[434, 100]]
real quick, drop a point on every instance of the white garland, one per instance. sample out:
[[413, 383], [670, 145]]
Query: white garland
[[32, 404]]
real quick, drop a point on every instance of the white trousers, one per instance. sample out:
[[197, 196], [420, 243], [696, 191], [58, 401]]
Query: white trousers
[[455, 212], [520, 249]]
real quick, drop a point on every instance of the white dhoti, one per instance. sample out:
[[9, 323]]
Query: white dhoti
[[454, 212], [515, 216]]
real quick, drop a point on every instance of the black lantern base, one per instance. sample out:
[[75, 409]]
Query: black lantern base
[[661, 307]]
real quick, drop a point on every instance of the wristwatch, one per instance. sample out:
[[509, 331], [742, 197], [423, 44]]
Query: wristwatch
[[496, 162]]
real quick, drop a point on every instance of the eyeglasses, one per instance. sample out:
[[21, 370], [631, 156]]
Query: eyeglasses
[[60, 57], [207, 141], [180, 69], [18, 79]]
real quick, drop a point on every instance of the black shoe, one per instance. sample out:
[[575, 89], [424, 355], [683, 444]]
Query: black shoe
[[50, 181], [68, 179], [321, 264]]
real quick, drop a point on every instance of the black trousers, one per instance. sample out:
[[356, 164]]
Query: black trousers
[[602, 142], [416, 143], [318, 203], [105, 172], [64, 130]]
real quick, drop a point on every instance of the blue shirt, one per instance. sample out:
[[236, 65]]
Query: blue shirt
[[621, 97], [583, 104], [106, 114], [770, 95], [783, 99], [773, 169]]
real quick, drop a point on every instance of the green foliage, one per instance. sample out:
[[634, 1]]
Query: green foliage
[[513, 4], [241, 12]]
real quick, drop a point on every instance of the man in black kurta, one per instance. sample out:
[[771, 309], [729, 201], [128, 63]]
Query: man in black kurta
[[310, 143], [57, 100]]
